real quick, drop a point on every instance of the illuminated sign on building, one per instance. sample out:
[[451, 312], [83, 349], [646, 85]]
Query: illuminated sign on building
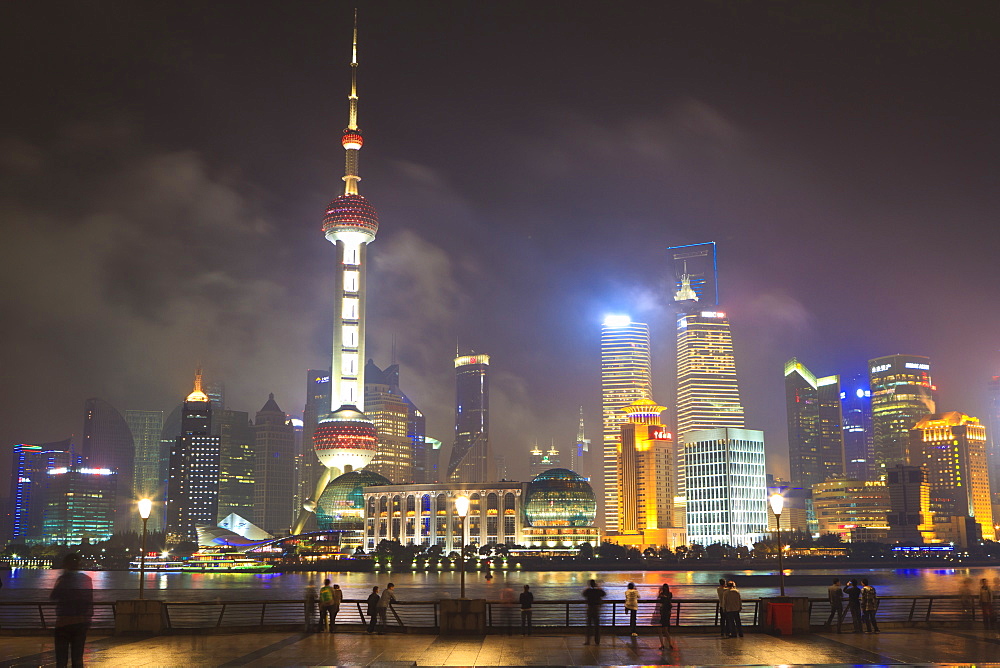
[[915, 365], [471, 359], [881, 367]]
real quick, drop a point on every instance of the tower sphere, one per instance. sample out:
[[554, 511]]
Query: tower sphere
[[560, 497], [352, 139], [350, 214], [342, 505], [346, 439]]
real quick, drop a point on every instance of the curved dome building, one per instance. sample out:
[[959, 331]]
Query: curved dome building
[[560, 497], [342, 505]]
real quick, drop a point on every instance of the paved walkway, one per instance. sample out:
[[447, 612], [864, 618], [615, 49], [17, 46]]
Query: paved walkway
[[897, 646]]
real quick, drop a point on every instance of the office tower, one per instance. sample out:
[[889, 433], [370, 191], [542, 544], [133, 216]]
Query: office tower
[[625, 378], [237, 463], [390, 411], [856, 510], [107, 444], [647, 471], [540, 461], [416, 431], [909, 516], [317, 407], [193, 485], [815, 436], [993, 432], [708, 395], [146, 428], [80, 505], [433, 449], [345, 439], [28, 484], [274, 469], [859, 436], [695, 266], [725, 486], [471, 456], [580, 453], [902, 393], [952, 448]]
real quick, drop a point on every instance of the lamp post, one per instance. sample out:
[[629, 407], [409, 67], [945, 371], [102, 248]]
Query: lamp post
[[777, 503], [145, 506], [462, 508]]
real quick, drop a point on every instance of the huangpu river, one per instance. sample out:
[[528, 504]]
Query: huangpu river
[[34, 585]]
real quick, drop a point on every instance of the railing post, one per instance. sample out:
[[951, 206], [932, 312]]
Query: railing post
[[614, 610], [262, 609], [221, 613], [41, 615], [930, 604], [677, 620], [567, 614], [913, 607]]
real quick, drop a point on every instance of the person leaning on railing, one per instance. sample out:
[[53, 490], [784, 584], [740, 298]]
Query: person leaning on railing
[[74, 597]]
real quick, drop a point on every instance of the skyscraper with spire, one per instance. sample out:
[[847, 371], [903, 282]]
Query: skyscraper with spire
[[345, 439]]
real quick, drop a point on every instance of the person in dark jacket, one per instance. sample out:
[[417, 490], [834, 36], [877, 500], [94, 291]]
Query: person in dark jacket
[[853, 592], [594, 596], [74, 597], [869, 604], [666, 600], [388, 598], [526, 599], [835, 595], [373, 599]]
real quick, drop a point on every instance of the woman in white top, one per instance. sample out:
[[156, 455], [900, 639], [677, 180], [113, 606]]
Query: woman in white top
[[632, 605]]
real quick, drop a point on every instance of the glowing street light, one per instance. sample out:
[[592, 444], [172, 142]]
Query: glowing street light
[[462, 508], [145, 507], [777, 502]]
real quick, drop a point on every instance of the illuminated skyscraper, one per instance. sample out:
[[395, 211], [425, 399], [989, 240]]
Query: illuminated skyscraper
[[910, 519], [902, 393], [696, 264], [625, 379], [274, 469], [708, 395], [580, 454], [345, 439], [859, 437], [107, 444], [193, 487], [993, 432], [237, 463], [29, 483], [952, 448], [390, 411], [815, 437], [471, 456], [726, 489], [146, 428], [80, 505]]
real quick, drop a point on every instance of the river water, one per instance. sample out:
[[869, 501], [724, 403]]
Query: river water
[[33, 585]]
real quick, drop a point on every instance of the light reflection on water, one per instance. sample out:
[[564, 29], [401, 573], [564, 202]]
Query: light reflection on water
[[33, 585]]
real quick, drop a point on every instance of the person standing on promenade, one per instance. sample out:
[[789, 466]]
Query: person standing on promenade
[[721, 593], [388, 598], [526, 599], [835, 595], [666, 600], [853, 592], [986, 603], [632, 605], [338, 598], [325, 601], [732, 604], [373, 600], [74, 597], [310, 606], [966, 601], [593, 595], [507, 602], [869, 604]]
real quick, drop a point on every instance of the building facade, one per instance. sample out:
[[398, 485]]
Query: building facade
[[193, 485], [851, 508], [274, 469], [29, 485], [81, 505], [708, 395], [393, 415], [647, 471], [902, 393], [859, 436], [626, 377], [952, 448], [910, 519], [726, 486], [559, 512], [107, 444], [815, 435], [237, 463], [471, 457], [993, 432], [146, 428]]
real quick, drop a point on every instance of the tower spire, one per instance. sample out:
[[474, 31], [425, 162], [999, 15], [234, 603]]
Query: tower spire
[[198, 394], [352, 140]]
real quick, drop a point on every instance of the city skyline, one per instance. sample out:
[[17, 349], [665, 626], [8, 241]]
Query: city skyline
[[158, 245]]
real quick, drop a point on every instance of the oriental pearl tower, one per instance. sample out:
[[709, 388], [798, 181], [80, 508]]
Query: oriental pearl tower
[[345, 440]]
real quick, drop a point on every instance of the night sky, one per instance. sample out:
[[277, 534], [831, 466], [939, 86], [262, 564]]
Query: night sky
[[165, 169]]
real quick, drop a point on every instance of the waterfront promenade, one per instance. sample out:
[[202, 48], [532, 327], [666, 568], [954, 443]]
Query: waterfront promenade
[[892, 646]]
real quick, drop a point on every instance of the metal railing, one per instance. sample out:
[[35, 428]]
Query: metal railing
[[692, 614]]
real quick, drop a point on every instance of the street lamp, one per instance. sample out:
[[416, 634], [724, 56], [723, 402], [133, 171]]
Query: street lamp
[[462, 508], [145, 506], [777, 503]]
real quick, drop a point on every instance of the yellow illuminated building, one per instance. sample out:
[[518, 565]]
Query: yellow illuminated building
[[952, 448], [851, 508]]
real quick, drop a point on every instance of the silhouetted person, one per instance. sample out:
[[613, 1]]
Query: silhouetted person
[[666, 601], [74, 597], [594, 596], [853, 592], [632, 605], [721, 592], [986, 603], [966, 600], [325, 601], [338, 598], [310, 606], [835, 595], [388, 598], [526, 599], [373, 599], [732, 604], [869, 604]]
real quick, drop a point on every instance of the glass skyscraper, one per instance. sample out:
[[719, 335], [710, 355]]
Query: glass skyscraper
[[859, 438], [471, 457], [146, 428], [625, 379], [107, 444], [815, 437], [902, 393], [708, 395]]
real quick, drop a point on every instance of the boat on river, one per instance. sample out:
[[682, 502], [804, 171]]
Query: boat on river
[[205, 561]]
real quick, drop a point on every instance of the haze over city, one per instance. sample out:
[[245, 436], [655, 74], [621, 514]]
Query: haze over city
[[167, 169]]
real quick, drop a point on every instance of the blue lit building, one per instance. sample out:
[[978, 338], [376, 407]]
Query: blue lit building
[[859, 439], [29, 484], [80, 505]]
